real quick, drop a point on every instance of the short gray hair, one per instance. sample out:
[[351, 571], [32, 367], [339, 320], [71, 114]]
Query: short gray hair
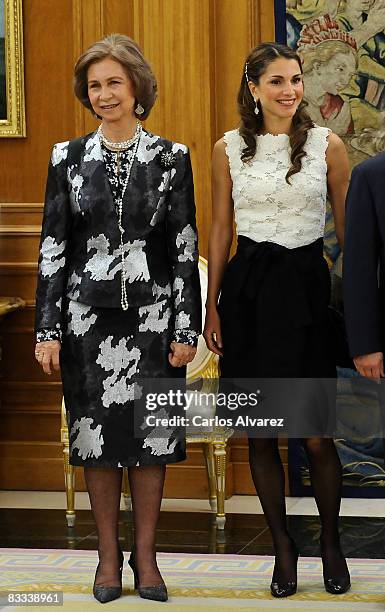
[[124, 50]]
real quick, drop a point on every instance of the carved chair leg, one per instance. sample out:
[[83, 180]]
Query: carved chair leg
[[210, 466], [126, 491], [69, 479], [220, 472]]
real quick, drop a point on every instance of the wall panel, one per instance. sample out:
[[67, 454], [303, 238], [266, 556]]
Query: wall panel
[[118, 17], [197, 50], [233, 35], [48, 52], [19, 279], [174, 38], [263, 20]]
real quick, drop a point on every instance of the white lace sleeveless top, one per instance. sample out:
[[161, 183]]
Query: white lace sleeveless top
[[266, 207]]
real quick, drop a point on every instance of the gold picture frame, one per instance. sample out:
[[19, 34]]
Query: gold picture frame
[[12, 101]]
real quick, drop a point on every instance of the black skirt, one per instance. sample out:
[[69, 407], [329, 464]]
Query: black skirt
[[105, 353], [274, 317]]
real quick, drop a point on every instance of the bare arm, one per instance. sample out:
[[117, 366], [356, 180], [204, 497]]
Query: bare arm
[[221, 236], [338, 182]]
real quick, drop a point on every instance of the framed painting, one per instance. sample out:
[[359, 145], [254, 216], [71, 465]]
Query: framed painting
[[12, 104]]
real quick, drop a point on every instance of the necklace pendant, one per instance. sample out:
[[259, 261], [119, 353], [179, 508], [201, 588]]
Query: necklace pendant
[[119, 209]]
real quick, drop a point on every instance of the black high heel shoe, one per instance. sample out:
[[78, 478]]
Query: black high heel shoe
[[335, 585], [105, 594], [157, 592], [285, 589]]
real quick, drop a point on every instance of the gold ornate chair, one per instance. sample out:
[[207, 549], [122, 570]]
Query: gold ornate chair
[[214, 439]]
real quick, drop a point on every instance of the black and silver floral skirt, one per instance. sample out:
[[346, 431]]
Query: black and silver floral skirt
[[104, 351]]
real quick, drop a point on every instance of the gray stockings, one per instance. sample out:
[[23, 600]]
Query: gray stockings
[[104, 488]]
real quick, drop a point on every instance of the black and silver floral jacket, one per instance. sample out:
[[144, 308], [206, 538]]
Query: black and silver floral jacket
[[80, 241]]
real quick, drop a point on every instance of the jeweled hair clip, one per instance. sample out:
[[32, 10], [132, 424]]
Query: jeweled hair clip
[[246, 73]]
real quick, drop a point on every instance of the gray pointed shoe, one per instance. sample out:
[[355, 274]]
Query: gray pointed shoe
[[157, 592], [104, 594]]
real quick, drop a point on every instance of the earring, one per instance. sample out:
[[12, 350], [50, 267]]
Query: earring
[[139, 109], [256, 110]]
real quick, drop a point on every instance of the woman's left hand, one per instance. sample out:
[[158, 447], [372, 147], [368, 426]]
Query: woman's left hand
[[181, 354]]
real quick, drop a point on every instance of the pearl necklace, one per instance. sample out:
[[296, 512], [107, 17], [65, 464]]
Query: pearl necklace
[[119, 147], [124, 144], [119, 206]]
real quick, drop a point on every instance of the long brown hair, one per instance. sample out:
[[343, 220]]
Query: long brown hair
[[251, 124]]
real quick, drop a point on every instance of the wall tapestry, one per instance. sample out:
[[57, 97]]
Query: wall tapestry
[[342, 47]]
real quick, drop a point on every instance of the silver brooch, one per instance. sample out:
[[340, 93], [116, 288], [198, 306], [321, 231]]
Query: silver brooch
[[167, 160]]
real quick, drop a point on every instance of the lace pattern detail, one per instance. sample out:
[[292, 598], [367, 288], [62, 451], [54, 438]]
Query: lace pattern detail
[[266, 207], [45, 335], [186, 336], [117, 180]]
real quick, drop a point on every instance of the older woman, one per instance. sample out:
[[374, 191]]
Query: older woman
[[118, 296]]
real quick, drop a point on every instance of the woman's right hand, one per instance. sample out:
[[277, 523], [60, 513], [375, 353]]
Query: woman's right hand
[[47, 355], [212, 331]]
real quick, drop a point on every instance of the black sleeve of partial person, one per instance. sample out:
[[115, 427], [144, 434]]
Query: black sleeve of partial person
[[361, 258]]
